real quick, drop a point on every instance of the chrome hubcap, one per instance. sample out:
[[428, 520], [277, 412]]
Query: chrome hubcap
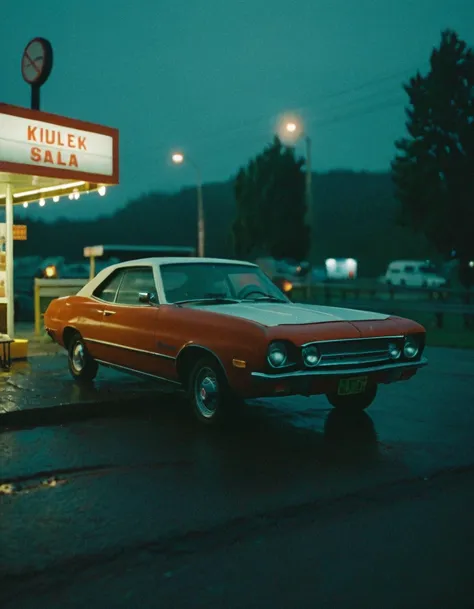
[[78, 357], [206, 393]]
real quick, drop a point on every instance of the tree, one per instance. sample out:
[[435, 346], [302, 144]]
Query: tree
[[434, 168], [271, 207]]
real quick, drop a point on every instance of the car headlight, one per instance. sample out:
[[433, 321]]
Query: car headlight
[[277, 355], [311, 356], [411, 347], [394, 351]]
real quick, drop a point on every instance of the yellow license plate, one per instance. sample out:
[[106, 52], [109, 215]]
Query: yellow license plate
[[352, 385]]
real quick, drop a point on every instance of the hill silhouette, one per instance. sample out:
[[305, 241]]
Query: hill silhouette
[[355, 215]]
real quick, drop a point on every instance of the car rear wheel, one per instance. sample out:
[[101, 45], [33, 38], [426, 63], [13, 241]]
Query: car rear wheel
[[82, 366], [353, 403], [209, 393]]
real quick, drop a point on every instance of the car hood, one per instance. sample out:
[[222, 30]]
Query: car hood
[[279, 314]]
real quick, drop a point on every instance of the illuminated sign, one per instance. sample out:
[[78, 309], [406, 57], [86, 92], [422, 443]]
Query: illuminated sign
[[19, 232], [59, 148], [93, 251]]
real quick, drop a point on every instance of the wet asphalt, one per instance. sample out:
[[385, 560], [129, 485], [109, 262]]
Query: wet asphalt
[[292, 505]]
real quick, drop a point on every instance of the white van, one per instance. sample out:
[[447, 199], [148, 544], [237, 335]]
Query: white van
[[413, 273]]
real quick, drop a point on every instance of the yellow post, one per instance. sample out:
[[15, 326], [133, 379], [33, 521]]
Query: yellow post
[[92, 268], [37, 309]]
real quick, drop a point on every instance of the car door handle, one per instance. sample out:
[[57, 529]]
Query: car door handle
[[107, 313]]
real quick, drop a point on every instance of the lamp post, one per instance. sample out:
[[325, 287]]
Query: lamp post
[[295, 131], [178, 159]]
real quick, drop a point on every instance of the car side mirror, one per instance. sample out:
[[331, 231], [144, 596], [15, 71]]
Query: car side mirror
[[146, 297]]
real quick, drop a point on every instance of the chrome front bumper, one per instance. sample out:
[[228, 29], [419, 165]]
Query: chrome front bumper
[[354, 371]]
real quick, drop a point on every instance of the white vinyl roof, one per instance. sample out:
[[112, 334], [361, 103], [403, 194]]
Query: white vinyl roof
[[156, 263], [160, 261]]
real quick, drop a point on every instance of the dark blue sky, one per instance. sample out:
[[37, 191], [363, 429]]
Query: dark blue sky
[[212, 76]]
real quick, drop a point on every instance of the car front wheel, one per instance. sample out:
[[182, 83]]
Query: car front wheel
[[82, 366], [209, 392], [353, 403]]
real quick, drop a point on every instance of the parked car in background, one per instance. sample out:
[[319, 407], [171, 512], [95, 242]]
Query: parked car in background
[[341, 268], [286, 273], [50, 268], [284, 267], [413, 273], [222, 331], [318, 274], [75, 270], [295, 268]]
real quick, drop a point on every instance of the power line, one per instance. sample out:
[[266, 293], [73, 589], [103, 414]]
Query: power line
[[370, 110], [248, 124], [319, 123]]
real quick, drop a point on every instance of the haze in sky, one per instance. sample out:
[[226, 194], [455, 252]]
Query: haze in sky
[[211, 78]]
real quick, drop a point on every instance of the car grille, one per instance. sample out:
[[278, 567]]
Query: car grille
[[343, 353]]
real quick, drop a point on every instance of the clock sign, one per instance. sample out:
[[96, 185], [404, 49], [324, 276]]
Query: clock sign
[[37, 62]]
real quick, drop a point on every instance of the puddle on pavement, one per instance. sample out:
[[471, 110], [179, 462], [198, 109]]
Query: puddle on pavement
[[27, 487]]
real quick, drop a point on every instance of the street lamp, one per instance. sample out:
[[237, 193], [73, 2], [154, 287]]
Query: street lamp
[[178, 159], [294, 129]]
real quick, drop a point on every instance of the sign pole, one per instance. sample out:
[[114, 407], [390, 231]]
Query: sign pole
[[35, 98], [9, 262]]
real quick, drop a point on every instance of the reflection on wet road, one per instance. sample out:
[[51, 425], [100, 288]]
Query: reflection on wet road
[[150, 477]]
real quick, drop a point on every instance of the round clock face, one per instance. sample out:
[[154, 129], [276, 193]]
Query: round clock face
[[36, 62]]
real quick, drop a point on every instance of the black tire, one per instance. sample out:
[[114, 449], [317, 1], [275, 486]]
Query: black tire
[[209, 393], [82, 366], [353, 403]]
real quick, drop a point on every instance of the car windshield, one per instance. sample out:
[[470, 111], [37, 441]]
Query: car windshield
[[217, 282]]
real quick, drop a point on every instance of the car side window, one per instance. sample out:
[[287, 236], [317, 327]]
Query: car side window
[[395, 270], [409, 269], [136, 281], [107, 290]]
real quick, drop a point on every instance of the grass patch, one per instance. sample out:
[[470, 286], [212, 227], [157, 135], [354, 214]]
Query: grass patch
[[452, 334], [445, 338]]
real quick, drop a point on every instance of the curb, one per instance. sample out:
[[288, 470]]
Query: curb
[[78, 411]]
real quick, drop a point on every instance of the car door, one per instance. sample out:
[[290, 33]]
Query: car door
[[409, 275], [129, 326], [419, 278], [92, 317]]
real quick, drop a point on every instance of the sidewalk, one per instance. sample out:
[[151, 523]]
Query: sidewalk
[[40, 390], [38, 345]]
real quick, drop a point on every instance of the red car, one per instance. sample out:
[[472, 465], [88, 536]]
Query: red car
[[223, 332]]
